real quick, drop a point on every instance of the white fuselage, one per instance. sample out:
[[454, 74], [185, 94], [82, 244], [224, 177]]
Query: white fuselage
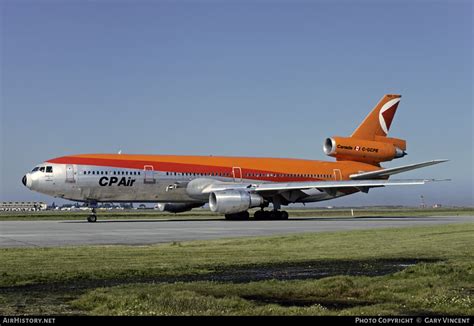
[[88, 183]]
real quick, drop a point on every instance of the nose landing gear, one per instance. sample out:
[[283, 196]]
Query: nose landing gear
[[93, 216]]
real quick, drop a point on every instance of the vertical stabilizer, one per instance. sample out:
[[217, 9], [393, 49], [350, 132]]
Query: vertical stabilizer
[[379, 120]]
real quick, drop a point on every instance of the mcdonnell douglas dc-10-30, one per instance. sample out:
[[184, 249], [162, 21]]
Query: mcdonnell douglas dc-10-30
[[233, 185]]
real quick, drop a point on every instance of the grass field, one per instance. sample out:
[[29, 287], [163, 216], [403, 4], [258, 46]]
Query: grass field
[[400, 271], [202, 213]]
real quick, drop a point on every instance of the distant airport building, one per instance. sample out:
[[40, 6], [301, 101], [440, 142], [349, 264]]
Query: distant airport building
[[22, 206]]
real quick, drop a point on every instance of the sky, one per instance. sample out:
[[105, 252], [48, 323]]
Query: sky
[[239, 78]]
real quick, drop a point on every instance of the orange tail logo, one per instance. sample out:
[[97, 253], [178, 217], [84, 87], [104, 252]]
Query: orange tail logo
[[378, 122]]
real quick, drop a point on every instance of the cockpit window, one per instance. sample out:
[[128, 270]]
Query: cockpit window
[[42, 169], [49, 169], [35, 169]]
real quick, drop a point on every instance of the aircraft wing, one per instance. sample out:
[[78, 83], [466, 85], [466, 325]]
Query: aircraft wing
[[362, 184], [388, 172], [361, 181]]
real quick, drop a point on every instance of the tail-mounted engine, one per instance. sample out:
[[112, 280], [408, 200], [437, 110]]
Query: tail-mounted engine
[[373, 152]]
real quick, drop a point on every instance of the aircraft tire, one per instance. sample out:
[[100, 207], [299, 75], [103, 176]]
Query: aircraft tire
[[284, 215], [92, 218], [259, 215], [242, 216]]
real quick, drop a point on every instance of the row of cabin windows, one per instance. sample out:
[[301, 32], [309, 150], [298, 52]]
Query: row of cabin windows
[[216, 174], [113, 172], [268, 175], [284, 175], [213, 174]]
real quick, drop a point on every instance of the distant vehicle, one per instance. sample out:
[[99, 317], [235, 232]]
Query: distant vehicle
[[232, 185]]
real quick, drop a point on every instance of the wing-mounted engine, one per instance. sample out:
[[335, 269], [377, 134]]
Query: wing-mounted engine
[[381, 149], [233, 201], [177, 207]]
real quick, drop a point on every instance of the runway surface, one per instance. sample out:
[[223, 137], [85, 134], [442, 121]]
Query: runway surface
[[139, 232]]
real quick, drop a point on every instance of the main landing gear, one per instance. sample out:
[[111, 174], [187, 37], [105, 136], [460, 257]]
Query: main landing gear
[[259, 215], [270, 215], [93, 216], [242, 216]]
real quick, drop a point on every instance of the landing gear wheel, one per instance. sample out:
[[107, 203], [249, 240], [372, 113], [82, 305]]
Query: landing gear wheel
[[93, 217], [242, 216], [259, 215], [270, 215], [284, 215]]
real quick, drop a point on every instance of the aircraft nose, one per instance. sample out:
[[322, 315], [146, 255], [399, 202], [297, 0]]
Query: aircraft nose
[[24, 180]]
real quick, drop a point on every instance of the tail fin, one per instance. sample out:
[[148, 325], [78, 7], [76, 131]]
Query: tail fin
[[377, 122]]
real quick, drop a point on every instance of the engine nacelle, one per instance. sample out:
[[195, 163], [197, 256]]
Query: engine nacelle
[[233, 201], [361, 150], [176, 207]]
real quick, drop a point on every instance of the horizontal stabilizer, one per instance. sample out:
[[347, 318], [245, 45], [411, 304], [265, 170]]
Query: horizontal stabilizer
[[388, 172]]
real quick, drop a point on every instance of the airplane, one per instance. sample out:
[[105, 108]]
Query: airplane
[[233, 185]]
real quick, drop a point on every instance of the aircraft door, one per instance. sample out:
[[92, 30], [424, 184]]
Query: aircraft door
[[70, 173], [337, 175], [237, 174], [149, 174], [49, 173]]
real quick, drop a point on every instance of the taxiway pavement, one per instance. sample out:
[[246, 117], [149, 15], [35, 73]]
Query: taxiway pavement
[[141, 232]]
